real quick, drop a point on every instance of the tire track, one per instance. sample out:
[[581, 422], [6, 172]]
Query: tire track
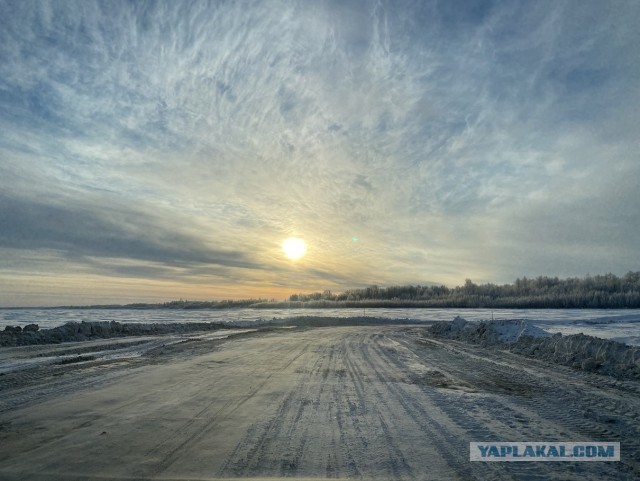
[[287, 431], [554, 409], [350, 402], [190, 433], [447, 441]]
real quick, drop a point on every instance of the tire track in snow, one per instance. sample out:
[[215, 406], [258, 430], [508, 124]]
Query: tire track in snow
[[191, 431], [551, 411]]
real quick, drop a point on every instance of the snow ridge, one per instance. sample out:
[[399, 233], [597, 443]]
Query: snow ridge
[[579, 351]]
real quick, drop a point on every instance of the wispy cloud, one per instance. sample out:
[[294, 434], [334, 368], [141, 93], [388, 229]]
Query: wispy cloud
[[452, 139], [106, 231]]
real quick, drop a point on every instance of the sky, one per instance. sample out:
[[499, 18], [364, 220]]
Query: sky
[[152, 151]]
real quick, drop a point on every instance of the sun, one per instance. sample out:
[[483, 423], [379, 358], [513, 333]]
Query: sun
[[294, 248]]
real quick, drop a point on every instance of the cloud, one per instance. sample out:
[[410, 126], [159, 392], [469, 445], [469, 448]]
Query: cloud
[[201, 134], [83, 231]]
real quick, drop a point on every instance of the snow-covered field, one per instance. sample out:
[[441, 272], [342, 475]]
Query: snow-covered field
[[624, 327], [379, 402]]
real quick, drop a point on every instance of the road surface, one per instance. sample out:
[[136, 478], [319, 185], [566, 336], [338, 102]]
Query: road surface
[[338, 402]]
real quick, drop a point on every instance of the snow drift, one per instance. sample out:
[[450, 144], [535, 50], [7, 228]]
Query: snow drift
[[579, 351], [82, 331], [487, 333]]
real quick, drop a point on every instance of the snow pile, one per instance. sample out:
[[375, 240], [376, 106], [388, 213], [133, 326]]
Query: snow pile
[[511, 331], [82, 331], [521, 337], [487, 333], [585, 352]]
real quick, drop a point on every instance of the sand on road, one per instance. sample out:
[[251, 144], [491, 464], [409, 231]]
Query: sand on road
[[338, 402]]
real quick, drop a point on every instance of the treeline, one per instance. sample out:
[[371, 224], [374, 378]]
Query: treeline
[[224, 304], [181, 304], [602, 291], [593, 292]]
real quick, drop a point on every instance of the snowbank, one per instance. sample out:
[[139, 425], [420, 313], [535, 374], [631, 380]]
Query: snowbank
[[521, 337], [487, 333], [82, 331], [585, 352]]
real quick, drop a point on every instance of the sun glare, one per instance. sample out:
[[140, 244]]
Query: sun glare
[[294, 248]]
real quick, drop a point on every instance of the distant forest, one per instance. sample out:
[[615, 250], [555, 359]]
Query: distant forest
[[602, 291]]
